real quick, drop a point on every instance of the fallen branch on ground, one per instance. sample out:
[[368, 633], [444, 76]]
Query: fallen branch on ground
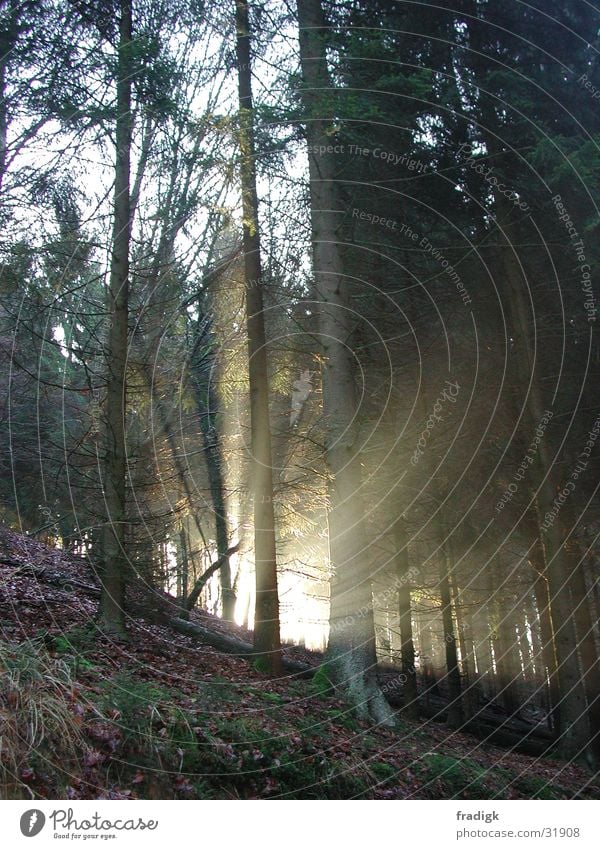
[[233, 645]]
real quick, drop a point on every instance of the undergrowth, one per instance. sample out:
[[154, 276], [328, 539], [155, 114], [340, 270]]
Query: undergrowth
[[123, 736], [39, 726]]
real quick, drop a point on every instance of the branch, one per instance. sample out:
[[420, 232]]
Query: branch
[[205, 577]]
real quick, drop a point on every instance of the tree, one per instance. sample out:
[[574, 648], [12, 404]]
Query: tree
[[112, 616], [266, 618], [509, 225], [351, 651], [407, 649]]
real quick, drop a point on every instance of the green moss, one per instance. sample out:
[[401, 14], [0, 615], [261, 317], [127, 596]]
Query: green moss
[[77, 639], [274, 698], [322, 683], [345, 718], [382, 771], [534, 787], [261, 665], [458, 776], [318, 777], [73, 645]]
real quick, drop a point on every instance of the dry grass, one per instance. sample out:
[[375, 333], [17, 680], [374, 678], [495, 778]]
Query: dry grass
[[38, 727]]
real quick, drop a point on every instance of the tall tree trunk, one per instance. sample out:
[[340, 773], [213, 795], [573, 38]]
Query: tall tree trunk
[[574, 727], [9, 34], [542, 603], [407, 648], [483, 651], [581, 598], [455, 710], [207, 410], [505, 649], [184, 564], [524, 647], [588, 653], [112, 617], [4, 56], [426, 655], [266, 616], [537, 661], [464, 630], [351, 652]]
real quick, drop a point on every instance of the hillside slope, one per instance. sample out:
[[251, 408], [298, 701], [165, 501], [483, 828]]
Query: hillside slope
[[164, 715]]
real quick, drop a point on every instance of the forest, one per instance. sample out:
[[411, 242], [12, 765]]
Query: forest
[[299, 406]]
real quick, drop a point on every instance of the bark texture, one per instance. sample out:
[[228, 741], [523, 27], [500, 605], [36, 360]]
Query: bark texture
[[112, 617], [266, 617]]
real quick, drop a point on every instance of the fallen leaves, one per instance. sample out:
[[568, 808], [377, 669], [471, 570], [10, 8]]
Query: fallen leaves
[[247, 736]]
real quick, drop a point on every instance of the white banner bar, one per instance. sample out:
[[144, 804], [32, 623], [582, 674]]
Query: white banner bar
[[298, 825]]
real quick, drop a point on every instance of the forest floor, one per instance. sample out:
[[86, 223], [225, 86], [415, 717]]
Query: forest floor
[[162, 716]]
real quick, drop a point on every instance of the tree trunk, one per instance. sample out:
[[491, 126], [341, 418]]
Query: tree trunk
[[184, 564], [4, 56], [589, 656], [206, 403], [483, 651], [574, 721], [464, 629], [351, 655], [507, 670], [407, 649], [574, 725], [542, 603], [112, 617], [266, 617], [426, 656], [455, 711], [537, 661], [527, 666], [8, 40]]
